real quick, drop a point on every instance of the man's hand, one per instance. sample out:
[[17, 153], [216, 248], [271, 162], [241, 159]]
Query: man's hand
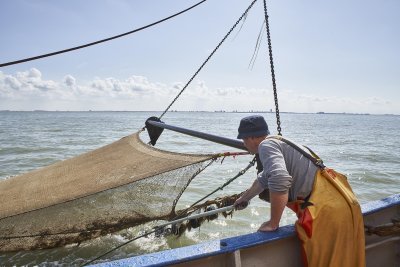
[[268, 227], [243, 201], [240, 204]]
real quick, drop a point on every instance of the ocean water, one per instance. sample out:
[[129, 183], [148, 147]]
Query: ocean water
[[364, 147]]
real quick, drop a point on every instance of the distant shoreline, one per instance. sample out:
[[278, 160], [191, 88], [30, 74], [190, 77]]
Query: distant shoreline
[[205, 111]]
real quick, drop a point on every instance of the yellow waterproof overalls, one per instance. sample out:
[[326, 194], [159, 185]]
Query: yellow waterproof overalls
[[330, 223]]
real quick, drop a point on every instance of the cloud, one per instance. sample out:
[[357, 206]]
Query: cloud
[[12, 82], [134, 87], [30, 90], [297, 102], [133, 93], [33, 74], [69, 80], [28, 82]]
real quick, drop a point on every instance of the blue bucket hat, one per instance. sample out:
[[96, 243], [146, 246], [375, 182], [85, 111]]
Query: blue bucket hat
[[252, 126]]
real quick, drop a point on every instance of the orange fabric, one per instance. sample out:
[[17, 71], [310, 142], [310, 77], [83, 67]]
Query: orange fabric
[[330, 227]]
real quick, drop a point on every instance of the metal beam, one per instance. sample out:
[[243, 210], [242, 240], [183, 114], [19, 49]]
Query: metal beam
[[210, 137], [198, 215]]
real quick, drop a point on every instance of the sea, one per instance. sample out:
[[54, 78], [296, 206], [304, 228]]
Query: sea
[[363, 147]]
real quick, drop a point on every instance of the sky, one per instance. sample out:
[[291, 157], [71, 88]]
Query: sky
[[329, 56]]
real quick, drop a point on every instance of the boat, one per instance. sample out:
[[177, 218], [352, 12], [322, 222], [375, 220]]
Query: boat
[[282, 247], [255, 249]]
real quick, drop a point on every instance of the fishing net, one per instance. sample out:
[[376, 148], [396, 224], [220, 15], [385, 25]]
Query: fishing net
[[121, 185]]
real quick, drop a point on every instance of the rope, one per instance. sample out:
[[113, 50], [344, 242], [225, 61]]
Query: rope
[[208, 58], [387, 229], [251, 164], [271, 61], [100, 41]]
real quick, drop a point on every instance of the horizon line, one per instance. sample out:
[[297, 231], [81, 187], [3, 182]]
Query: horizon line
[[208, 111]]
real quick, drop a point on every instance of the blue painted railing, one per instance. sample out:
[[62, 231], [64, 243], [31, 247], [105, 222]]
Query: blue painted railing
[[231, 244]]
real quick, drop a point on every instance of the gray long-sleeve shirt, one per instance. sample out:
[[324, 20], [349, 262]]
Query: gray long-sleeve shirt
[[285, 169]]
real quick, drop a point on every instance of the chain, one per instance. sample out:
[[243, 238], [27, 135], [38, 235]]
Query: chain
[[208, 58], [271, 61]]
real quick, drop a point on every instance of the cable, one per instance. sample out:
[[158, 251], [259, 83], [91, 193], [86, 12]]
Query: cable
[[256, 48], [208, 58], [98, 42]]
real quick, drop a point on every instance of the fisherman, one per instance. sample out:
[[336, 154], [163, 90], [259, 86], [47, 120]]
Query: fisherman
[[330, 224]]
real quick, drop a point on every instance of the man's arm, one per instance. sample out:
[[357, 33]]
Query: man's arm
[[278, 203], [255, 189]]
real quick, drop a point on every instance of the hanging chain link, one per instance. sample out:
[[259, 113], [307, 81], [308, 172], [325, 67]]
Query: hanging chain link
[[271, 61], [208, 58]]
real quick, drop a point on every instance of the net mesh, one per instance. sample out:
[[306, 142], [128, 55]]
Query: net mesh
[[121, 185]]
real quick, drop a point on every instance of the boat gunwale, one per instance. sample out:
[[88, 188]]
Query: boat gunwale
[[232, 244]]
